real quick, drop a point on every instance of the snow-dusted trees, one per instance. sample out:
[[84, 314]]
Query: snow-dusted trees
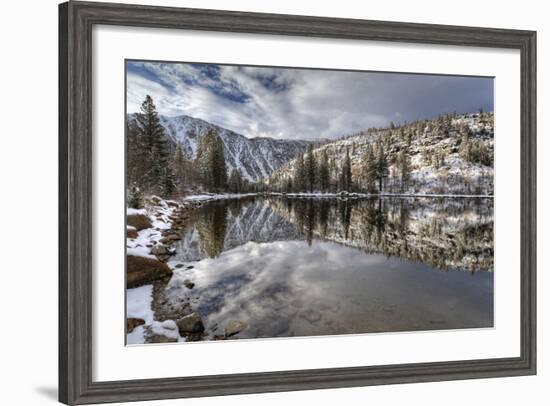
[[300, 180], [148, 159], [369, 168], [186, 174], [235, 182], [381, 165], [404, 165], [345, 175], [310, 169], [475, 151], [210, 162], [324, 172]]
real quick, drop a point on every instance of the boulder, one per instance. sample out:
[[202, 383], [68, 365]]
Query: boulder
[[132, 323], [170, 238], [156, 200], [190, 324], [188, 284], [161, 339], [143, 270], [234, 327], [160, 249], [131, 232], [138, 221]]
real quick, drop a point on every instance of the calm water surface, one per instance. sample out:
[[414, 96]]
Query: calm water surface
[[299, 267]]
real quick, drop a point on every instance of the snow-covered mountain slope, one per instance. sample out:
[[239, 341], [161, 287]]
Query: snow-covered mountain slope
[[256, 158], [435, 150]]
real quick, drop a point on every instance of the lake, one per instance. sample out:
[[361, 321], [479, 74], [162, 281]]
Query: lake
[[291, 266]]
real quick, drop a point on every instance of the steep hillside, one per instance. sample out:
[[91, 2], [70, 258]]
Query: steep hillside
[[256, 158], [452, 154]]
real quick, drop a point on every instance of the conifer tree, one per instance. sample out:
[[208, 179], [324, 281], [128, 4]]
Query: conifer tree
[[404, 165], [381, 166], [345, 176], [167, 180], [219, 167], [310, 168], [370, 169], [324, 174], [181, 169], [210, 162], [159, 175], [235, 181], [299, 174]]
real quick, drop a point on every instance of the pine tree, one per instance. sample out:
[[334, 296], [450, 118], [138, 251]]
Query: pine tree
[[158, 174], [154, 142], [210, 162], [219, 166], [235, 181], [310, 168], [345, 176], [168, 181], [288, 186], [203, 161], [180, 169], [370, 171], [299, 174], [404, 164], [324, 174], [381, 166], [465, 150]]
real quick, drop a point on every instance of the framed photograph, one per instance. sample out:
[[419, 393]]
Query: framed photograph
[[257, 202]]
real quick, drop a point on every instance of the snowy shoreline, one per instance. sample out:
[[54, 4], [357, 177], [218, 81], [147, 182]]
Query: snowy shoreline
[[212, 197]]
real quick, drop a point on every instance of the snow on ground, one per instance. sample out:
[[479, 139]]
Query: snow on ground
[[138, 300], [138, 305], [131, 211], [139, 251], [205, 197]]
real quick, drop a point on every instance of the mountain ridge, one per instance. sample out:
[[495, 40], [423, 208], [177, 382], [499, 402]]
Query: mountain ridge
[[256, 158]]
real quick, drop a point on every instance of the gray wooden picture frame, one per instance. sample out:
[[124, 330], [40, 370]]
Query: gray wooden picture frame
[[76, 20]]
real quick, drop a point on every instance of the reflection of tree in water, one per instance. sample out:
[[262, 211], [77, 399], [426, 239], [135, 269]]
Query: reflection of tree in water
[[443, 233], [344, 210], [211, 226], [373, 221]]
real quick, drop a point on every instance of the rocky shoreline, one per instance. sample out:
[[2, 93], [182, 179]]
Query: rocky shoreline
[[151, 237]]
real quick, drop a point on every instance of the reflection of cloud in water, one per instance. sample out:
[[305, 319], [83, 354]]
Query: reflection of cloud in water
[[287, 288]]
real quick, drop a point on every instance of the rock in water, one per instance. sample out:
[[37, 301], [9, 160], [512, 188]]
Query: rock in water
[[142, 270], [234, 327], [188, 284], [190, 324], [138, 221], [132, 323]]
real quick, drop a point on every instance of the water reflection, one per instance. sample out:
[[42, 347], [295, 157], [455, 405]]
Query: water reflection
[[443, 233], [293, 267]]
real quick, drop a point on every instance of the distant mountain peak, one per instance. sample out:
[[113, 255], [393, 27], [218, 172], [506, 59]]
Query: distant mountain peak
[[256, 158]]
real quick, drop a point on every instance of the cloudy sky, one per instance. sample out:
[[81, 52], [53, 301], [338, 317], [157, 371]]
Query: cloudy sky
[[300, 103]]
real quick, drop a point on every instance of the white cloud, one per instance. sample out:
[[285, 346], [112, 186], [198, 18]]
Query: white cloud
[[300, 103]]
